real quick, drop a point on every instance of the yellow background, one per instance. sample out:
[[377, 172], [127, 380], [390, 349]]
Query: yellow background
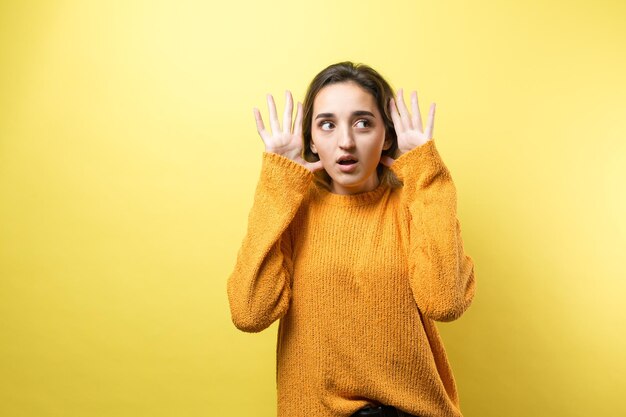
[[129, 157]]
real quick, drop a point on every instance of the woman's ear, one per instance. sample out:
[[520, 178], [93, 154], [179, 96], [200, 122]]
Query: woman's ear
[[313, 148], [387, 144]]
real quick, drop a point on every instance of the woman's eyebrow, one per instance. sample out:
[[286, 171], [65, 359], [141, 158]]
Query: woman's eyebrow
[[363, 113], [355, 113]]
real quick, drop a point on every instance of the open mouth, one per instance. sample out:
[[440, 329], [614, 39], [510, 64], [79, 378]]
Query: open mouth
[[347, 160]]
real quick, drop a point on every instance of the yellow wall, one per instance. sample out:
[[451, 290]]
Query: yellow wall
[[129, 157]]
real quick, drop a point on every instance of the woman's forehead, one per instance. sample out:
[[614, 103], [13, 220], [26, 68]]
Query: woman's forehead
[[345, 97]]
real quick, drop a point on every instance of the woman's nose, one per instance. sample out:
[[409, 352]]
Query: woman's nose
[[346, 141]]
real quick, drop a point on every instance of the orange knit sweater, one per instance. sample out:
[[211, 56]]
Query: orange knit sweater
[[357, 282]]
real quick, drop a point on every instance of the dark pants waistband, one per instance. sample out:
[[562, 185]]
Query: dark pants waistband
[[381, 411]]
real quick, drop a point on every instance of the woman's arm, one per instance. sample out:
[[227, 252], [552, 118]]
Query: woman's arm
[[259, 287], [441, 274]]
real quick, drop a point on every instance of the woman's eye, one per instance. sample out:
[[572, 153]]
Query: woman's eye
[[326, 125], [362, 124]]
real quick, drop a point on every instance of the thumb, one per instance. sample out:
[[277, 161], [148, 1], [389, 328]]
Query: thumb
[[386, 160], [315, 166]]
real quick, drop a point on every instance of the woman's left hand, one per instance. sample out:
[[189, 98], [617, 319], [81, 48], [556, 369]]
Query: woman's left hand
[[408, 126]]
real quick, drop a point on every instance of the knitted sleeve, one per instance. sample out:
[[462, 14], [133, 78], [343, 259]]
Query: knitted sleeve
[[441, 274], [259, 288]]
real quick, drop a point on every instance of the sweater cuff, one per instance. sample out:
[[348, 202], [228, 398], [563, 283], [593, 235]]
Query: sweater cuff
[[283, 172], [421, 159]]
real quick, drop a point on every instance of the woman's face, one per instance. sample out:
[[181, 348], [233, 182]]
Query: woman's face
[[348, 135]]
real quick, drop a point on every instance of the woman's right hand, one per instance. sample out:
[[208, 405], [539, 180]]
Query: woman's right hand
[[286, 141]]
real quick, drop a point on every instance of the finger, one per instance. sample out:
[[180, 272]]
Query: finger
[[273, 117], [431, 122], [395, 117], [259, 120], [314, 166], [387, 160], [288, 112], [404, 112], [417, 116], [260, 127], [297, 126]]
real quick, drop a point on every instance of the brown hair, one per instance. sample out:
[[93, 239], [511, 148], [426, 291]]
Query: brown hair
[[372, 82]]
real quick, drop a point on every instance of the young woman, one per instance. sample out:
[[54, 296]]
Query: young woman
[[354, 244]]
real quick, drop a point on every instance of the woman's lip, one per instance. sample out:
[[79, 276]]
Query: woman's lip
[[347, 157], [347, 168]]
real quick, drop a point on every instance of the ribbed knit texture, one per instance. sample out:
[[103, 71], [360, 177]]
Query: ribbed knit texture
[[357, 282]]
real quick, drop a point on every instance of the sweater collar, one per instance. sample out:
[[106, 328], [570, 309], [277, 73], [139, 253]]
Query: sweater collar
[[359, 199]]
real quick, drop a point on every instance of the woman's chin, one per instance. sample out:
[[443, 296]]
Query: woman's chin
[[351, 185]]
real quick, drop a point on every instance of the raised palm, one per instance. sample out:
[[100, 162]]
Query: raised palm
[[286, 141], [408, 126]]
